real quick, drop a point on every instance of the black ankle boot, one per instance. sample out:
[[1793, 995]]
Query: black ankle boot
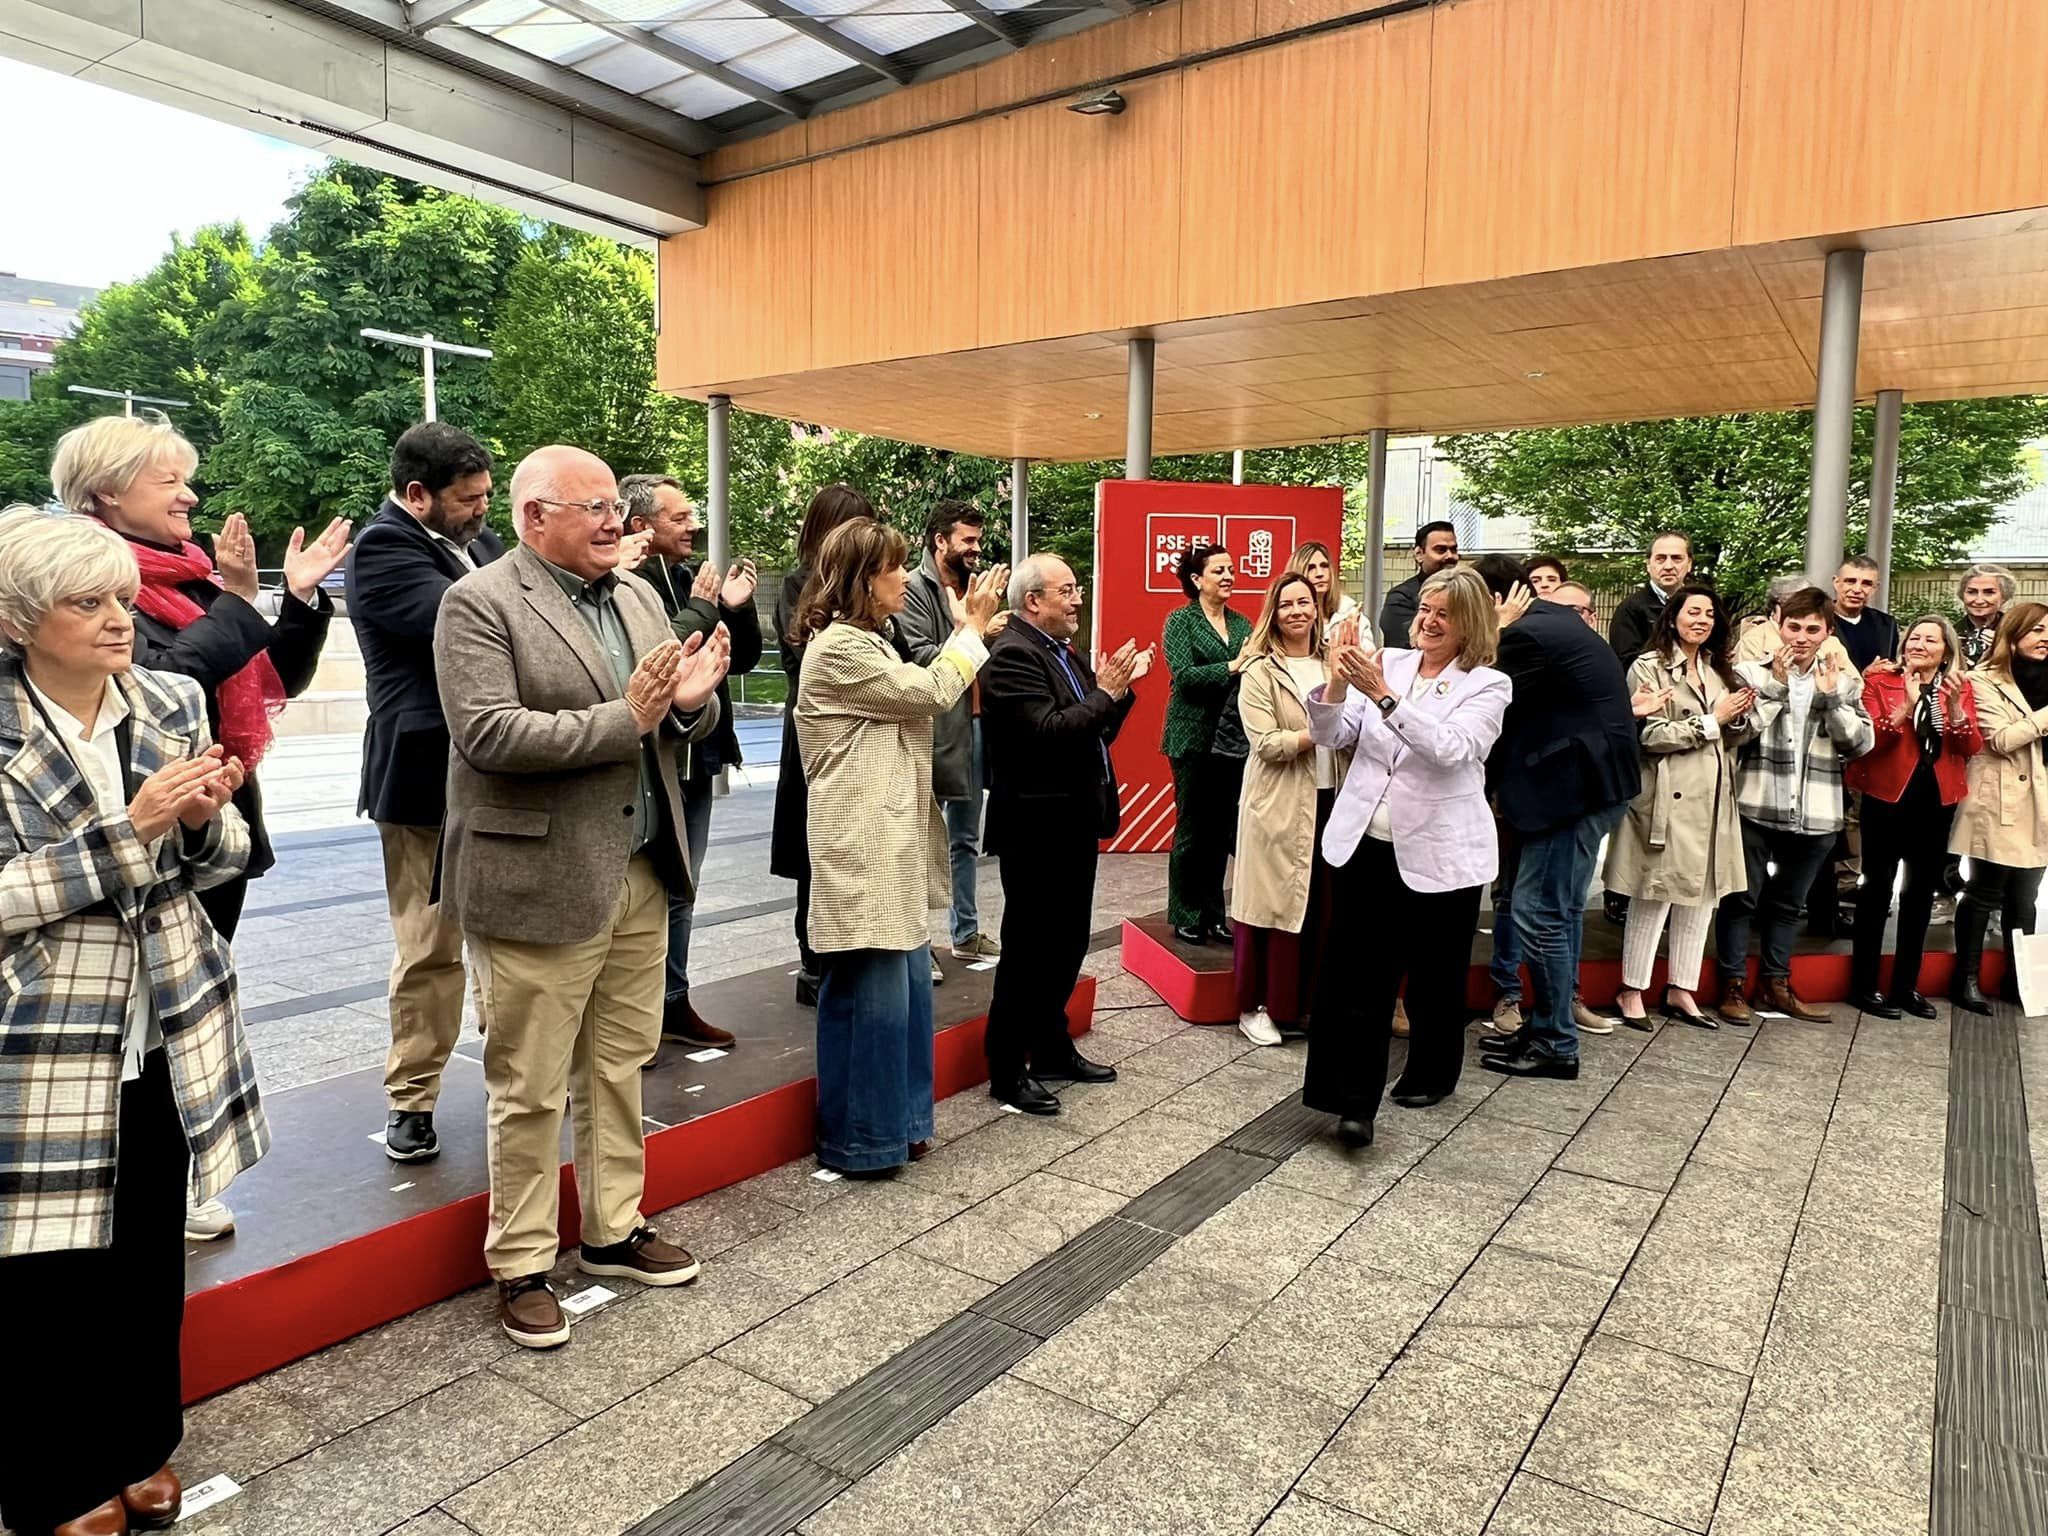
[[1971, 921]]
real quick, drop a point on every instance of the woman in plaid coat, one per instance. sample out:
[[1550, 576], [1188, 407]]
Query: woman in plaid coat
[[124, 1074]]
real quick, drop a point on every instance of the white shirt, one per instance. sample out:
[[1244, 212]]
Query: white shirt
[[1382, 824], [456, 549], [98, 759], [1800, 688], [1307, 672]]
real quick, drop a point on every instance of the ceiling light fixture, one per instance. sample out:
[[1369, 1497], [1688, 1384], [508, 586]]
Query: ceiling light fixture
[[1535, 374], [1100, 104]]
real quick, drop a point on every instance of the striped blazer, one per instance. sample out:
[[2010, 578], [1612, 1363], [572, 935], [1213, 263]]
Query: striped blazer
[[77, 894]]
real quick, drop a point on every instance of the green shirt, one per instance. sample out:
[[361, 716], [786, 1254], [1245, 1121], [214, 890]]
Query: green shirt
[[593, 603]]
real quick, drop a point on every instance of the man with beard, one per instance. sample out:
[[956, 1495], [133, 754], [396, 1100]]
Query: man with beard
[[952, 552], [429, 534], [1436, 549]]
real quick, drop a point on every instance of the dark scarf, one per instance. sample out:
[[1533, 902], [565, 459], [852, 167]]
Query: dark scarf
[[2032, 676]]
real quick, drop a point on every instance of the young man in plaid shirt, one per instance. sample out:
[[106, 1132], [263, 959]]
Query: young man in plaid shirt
[[1810, 722]]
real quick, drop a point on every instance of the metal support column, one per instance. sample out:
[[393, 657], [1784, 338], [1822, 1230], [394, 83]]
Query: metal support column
[[1376, 528], [718, 456], [1020, 510], [1834, 415], [1884, 488], [1237, 466], [1138, 410]]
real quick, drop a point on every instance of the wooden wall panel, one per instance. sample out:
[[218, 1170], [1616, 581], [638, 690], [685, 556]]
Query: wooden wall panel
[[1569, 132], [894, 254], [736, 294], [791, 143], [1080, 217], [1303, 171], [1206, 24], [944, 99], [1860, 113], [1152, 36]]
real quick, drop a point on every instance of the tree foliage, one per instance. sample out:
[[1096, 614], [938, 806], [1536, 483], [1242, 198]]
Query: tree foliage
[[1738, 485]]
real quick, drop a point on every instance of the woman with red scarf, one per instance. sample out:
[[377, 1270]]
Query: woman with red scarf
[[198, 617]]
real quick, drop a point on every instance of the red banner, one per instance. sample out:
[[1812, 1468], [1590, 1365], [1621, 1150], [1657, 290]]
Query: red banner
[[1142, 527]]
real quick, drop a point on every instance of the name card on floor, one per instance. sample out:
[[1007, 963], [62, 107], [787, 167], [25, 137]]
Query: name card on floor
[[378, 1137], [585, 1301], [208, 1494], [399, 1189], [709, 1053], [827, 1176], [694, 1088], [982, 965]]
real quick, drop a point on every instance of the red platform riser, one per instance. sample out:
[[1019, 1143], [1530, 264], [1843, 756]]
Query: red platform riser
[[238, 1331]]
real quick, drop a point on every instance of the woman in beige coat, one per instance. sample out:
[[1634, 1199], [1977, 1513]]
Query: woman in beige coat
[[878, 849], [2003, 824], [1679, 850], [1289, 786]]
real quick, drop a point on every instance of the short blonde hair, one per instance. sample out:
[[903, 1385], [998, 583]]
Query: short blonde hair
[[109, 453], [46, 557], [1472, 611]]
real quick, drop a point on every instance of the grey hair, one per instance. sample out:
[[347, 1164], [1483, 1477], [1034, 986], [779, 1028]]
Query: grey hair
[[1029, 577], [2007, 583], [46, 557], [1859, 562], [638, 493], [1782, 587]]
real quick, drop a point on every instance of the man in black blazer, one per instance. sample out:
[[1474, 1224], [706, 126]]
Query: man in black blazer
[[1047, 721], [697, 603], [1563, 772], [428, 535]]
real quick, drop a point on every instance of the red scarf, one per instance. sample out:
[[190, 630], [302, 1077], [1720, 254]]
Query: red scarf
[[252, 695]]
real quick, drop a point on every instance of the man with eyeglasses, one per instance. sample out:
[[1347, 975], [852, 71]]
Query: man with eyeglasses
[[567, 696], [427, 536], [1050, 718]]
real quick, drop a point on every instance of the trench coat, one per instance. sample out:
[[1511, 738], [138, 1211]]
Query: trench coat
[[2004, 817], [1681, 840], [1276, 814]]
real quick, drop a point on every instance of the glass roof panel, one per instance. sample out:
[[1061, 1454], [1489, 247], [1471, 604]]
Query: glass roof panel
[[497, 13], [797, 60], [721, 31], [551, 35], [889, 25], [698, 97], [630, 68]]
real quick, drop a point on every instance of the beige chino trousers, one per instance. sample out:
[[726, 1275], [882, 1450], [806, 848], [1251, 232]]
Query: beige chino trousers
[[426, 971]]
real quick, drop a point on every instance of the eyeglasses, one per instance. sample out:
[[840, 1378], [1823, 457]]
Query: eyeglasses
[[597, 506], [1068, 590]]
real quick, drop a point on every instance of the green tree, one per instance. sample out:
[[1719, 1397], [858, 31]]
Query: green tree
[[312, 409], [1738, 484], [145, 336]]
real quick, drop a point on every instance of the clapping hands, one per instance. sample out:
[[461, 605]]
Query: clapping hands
[[305, 565], [1120, 668]]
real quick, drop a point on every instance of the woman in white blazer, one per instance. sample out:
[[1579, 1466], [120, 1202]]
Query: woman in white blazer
[[1410, 844]]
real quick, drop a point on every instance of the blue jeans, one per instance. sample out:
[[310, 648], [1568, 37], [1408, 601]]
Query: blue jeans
[[696, 795], [874, 1056], [963, 837], [1550, 916], [1505, 968]]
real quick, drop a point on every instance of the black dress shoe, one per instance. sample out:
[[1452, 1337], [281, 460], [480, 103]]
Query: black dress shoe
[[1027, 1094], [1532, 1063], [1419, 1100], [1916, 1005], [1073, 1068], [1191, 933], [1876, 1004], [806, 990], [1504, 1045], [1354, 1133], [1219, 933], [409, 1137]]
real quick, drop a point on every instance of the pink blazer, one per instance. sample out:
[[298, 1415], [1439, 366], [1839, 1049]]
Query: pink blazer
[[1428, 761]]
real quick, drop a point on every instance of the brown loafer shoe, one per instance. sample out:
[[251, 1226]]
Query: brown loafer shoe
[[529, 1313], [153, 1503], [1780, 998], [110, 1519], [645, 1256], [683, 1022], [1734, 1007]]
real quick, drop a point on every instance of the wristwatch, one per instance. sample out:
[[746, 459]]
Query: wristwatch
[[1386, 703]]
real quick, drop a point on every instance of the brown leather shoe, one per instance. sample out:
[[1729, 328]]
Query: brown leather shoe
[[645, 1256], [1400, 1020], [153, 1503], [1780, 998], [529, 1313], [920, 1150], [1734, 1007], [682, 1022], [110, 1519]]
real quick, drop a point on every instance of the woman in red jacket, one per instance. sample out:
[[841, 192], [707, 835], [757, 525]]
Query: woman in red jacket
[[1926, 720]]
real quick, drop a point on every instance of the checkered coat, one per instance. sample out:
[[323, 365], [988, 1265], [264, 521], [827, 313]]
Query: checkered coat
[[1773, 793], [76, 891]]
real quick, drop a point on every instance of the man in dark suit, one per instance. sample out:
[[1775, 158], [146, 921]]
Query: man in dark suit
[[697, 602], [429, 534], [1668, 565], [1564, 770], [1436, 549], [1048, 720]]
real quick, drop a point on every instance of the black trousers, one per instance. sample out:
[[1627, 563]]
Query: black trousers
[[1913, 832], [223, 905], [807, 957], [1048, 904], [1205, 795], [92, 1355], [2005, 892], [1396, 933]]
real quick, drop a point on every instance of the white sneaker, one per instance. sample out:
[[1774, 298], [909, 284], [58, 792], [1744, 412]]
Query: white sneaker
[[1258, 1027], [207, 1220]]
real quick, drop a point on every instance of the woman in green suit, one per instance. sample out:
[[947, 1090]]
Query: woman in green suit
[[1202, 642]]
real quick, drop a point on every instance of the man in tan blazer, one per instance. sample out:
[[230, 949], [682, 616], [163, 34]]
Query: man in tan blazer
[[566, 694]]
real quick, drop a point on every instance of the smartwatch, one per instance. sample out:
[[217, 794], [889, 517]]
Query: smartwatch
[[1386, 703]]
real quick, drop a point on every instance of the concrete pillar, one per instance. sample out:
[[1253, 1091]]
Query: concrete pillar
[[718, 456], [1834, 415], [1138, 410], [1884, 488], [1376, 528], [1020, 510], [1237, 466]]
